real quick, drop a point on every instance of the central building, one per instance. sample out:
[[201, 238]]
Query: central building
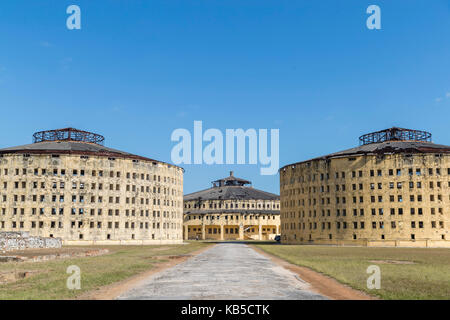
[[231, 210]]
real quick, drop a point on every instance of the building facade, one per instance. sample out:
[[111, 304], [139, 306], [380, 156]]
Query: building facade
[[67, 184], [392, 190], [231, 210]]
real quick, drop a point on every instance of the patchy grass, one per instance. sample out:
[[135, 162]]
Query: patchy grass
[[427, 278], [122, 262]]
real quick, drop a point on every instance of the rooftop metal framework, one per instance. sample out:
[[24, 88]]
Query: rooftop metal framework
[[68, 134], [230, 181], [395, 134]]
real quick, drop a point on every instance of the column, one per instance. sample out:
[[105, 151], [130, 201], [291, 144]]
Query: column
[[221, 232], [260, 231], [203, 232], [186, 232], [241, 231]]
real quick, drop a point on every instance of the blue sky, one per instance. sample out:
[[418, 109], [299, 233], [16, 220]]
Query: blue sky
[[137, 70]]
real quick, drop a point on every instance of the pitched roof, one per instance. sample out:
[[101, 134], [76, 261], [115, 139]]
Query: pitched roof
[[231, 180], [233, 191], [394, 147], [74, 147], [387, 147], [69, 147]]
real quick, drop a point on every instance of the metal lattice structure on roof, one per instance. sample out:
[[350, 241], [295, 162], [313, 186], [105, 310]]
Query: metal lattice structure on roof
[[70, 141], [231, 181], [389, 141], [395, 134], [68, 134]]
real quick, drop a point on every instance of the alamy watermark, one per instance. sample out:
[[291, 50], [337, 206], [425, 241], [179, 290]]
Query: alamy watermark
[[74, 20], [190, 149], [374, 280], [74, 281], [374, 20]]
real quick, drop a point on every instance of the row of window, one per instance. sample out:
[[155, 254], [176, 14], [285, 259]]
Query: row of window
[[229, 230], [330, 237], [94, 199], [94, 186], [373, 199], [372, 173], [343, 212], [361, 225], [229, 217], [92, 224], [93, 173], [236, 206], [82, 211], [360, 187]]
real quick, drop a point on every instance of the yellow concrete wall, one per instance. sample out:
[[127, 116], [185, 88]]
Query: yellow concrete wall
[[313, 194], [122, 200], [227, 219]]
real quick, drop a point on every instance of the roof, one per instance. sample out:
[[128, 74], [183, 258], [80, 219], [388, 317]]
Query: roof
[[231, 192], [386, 147], [231, 181], [394, 147], [70, 146]]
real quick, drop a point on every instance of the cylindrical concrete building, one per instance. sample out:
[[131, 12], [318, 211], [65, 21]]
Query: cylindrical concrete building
[[67, 184], [392, 190]]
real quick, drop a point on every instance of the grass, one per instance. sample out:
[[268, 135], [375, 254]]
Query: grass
[[427, 278], [122, 262]]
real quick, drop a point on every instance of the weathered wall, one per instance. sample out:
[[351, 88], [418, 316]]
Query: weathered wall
[[86, 200], [395, 199]]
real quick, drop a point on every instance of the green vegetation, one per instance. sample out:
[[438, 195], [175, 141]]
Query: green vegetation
[[122, 262], [427, 278]]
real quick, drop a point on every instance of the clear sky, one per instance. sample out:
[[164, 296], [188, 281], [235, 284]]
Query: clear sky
[[137, 70]]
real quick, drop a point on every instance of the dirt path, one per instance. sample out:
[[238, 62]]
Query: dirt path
[[314, 282], [226, 271], [112, 291], [320, 283]]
